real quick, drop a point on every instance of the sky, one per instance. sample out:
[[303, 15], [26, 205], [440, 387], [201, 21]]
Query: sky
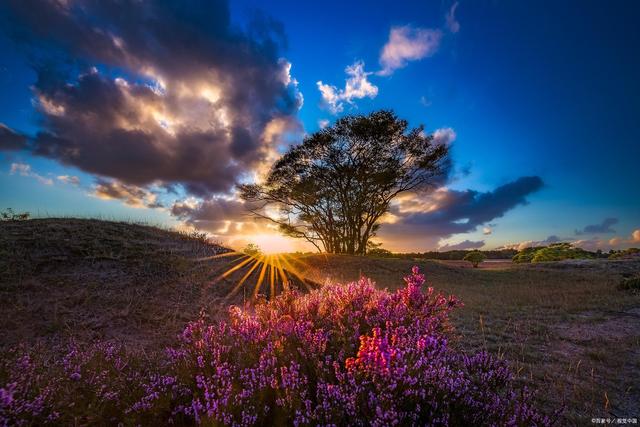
[[153, 111]]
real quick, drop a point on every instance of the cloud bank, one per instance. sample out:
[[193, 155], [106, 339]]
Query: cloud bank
[[168, 93]]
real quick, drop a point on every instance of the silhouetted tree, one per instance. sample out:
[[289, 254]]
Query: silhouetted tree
[[333, 189]]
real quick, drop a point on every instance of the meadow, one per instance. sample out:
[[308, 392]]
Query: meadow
[[565, 330]]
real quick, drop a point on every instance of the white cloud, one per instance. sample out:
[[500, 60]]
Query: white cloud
[[450, 19], [69, 179], [444, 136], [407, 44], [487, 230], [356, 87], [24, 169], [635, 236], [323, 123]]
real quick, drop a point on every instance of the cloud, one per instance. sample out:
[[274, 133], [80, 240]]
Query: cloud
[[450, 19], [487, 231], [425, 101], [603, 227], [169, 93], [421, 221], [24, 169], [533, 243], [323, 123], [444, 136], [464, 245], [69, 179], [131, 195], [356, 87], [407, 44], [592, 244], [11, 140]]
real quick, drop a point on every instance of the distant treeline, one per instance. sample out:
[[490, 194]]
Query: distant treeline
[[447, 255]]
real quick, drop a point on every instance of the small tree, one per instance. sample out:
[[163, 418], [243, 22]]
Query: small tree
[[252, 250], [475, 258], [334, 188]]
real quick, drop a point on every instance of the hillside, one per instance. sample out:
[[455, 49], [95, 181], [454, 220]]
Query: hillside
[[564, 326], [95, 279]]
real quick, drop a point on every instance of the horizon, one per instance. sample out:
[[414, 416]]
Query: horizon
[[104, 117]]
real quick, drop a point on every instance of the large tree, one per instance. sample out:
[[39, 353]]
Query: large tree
[[334, 188]]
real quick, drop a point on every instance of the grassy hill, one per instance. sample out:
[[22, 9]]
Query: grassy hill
[[565, 326], [94, 279]]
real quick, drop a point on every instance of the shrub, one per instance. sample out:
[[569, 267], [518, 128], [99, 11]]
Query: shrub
[[555, 252], [624, 253], [475, 258], [340, 354], [252, 250], [379, 253], [630, 283], [9, 215], [559, 252], [526, 254]]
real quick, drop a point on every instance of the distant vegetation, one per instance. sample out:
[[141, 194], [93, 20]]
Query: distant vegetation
[[630, 283], [455, 255], [475, 258], [9, 215], [554, 252], [624, 253], [252, 250]]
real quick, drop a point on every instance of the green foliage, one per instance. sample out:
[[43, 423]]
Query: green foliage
[[630, 283], [475, 258], [9, 215], [526, 254], [252, 250], [624, 253], [379, 253], [555, 252]]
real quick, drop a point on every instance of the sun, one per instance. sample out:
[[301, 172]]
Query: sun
[[272, 243]]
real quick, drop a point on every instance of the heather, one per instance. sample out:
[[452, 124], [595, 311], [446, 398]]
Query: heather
[[341, 354]]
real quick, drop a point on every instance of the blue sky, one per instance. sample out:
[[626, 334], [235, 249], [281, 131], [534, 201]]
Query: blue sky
[[537, 89]]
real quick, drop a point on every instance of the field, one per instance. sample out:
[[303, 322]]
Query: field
[[568, 332]]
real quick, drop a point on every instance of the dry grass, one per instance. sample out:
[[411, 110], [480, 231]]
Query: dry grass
[[90, 279], [568, 330]]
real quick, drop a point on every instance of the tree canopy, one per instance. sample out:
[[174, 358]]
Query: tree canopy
[[333, 189]]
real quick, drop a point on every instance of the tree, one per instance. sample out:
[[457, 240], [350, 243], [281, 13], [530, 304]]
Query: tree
[[333, 189], [475, 258], [252, 250]]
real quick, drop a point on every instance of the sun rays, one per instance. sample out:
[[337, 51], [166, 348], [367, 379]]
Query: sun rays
[[260, 275]]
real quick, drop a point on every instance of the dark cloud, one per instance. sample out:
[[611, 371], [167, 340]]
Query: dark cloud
[[448, 212], [10, 140], [179, 95], [466, 244], [130, 194], [603, 227], [221, 216]]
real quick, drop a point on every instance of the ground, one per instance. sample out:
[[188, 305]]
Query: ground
[[565, 327]]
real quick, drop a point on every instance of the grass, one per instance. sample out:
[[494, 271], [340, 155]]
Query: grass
[[566, 327]]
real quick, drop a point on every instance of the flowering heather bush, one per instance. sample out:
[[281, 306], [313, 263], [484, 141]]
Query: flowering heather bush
[[344, 354]]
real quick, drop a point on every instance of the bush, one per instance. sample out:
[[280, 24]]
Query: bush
[[624, 253], [559, 252], [9, 215], [342, 352], [379, 253], [555, 252], [526, 254], [475, 258], [252, 250], [630, 283]]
